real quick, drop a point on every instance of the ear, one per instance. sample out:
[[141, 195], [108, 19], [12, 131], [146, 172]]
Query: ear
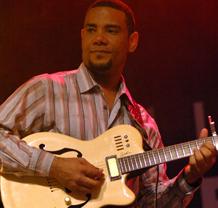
[[82, 33], [133, 41]]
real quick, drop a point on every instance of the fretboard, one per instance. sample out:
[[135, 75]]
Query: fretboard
[[157, 156]]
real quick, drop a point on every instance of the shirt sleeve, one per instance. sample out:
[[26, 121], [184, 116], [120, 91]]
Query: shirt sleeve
[[175, 192], [22, 114], [18, 158]]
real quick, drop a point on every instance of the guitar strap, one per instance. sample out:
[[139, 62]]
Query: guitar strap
[[137, 120]]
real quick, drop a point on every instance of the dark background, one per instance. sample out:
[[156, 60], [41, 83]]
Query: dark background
[[174, 66]]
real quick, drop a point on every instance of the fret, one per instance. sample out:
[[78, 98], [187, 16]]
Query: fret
[[131, 162], [144, 164], [186, 148], [168, 154], [183, 151], [137, 162], [153, 156], [179, 151], [190, 149], [138, 156], [213, 141], [121, 165], [193, 146], [157, 157], [171, 156], [162, 155], [197, 144], [202, 141], [146, 159], [134, 162], [177, 155], [173, 152], [127, 164], [149, 159], [122, 161]]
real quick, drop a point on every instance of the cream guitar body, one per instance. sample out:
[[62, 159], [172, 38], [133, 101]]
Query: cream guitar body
[[38, 192]]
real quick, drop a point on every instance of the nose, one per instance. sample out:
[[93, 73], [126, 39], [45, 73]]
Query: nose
[[100, 39]]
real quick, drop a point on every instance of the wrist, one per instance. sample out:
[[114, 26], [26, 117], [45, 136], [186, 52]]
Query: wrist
[[191, 179], [53, 169]]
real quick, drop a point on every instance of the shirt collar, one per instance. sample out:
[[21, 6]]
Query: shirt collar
[[87, 83], [85, 80], [124, 92]]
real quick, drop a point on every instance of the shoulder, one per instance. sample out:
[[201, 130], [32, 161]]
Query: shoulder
[[54, 77], [40, 83]]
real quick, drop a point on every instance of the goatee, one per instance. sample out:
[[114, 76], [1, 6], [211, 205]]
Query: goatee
[[99, 68]]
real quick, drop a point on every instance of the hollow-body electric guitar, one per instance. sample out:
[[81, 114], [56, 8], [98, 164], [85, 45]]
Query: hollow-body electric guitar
[[118, 152]]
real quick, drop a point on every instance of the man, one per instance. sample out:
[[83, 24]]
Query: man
[[84, 104]]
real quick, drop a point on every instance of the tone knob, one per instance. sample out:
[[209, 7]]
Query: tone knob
[[67, 200]]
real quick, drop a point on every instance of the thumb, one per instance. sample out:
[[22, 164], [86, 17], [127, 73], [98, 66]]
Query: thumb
[[203, 133]]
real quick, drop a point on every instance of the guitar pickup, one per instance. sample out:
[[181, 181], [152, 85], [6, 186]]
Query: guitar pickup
[[113, 167]]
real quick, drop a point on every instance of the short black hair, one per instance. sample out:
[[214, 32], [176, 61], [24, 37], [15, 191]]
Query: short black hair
[[120, 5]]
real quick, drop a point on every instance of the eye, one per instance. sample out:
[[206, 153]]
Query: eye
[[90, 29], [113, 30]]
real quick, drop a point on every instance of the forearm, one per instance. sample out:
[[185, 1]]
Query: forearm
[[19, 158], [171, 193]]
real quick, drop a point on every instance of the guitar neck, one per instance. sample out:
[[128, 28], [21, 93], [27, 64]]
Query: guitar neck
[[150, 158]]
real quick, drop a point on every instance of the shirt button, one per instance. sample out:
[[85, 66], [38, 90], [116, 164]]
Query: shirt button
[[105, 107]]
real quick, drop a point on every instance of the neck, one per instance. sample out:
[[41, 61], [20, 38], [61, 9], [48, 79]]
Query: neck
[[109, 84], [107, 81]]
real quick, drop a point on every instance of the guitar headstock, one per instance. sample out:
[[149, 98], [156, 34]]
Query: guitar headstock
[[213, 132], [212, 126]]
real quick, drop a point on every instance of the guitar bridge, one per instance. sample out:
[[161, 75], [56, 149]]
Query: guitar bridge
[[113, 167]]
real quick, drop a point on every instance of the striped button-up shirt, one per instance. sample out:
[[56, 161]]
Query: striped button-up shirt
[[72, 103]]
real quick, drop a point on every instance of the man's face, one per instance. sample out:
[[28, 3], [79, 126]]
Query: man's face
[[105, 40]]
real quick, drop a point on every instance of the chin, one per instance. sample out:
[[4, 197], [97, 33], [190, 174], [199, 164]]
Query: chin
[[100, 66]]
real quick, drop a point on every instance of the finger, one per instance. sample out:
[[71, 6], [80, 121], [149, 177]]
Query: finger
[[88, 183], [209, 153], [94, 172], [209, 145], [90, 170], [200, 162], [193, 164], [203, 133]]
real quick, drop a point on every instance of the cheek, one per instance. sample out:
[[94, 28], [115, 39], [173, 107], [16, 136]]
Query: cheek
[[121, 48], [85, 42], [85, 47]]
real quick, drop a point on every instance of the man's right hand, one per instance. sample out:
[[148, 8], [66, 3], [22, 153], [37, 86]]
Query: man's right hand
[[76, 174]]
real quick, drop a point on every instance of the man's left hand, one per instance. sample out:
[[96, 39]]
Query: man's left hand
[[201, 161]]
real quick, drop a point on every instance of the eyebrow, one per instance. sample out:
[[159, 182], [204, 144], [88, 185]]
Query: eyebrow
[[107, 25], [90, 25]]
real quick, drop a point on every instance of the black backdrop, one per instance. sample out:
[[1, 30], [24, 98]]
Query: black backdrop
[[174, 66]]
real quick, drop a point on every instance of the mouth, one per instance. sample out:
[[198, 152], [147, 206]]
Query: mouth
[[100, 51]]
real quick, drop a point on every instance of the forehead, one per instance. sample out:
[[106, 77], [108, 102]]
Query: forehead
[[105, 15]]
